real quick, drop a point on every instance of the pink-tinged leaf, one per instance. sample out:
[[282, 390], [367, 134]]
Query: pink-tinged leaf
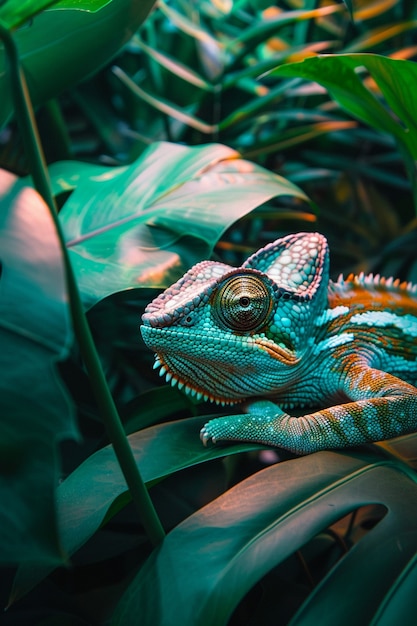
[[35, 413]]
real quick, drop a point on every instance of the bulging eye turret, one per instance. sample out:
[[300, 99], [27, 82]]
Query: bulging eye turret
[[243, 302]]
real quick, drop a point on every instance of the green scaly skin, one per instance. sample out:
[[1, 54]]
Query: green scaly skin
[[278, 329]]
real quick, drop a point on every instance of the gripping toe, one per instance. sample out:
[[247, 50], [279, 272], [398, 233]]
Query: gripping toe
[[205, 436]]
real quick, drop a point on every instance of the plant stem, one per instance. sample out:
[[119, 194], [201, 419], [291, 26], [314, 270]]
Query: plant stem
[[107, 407], [110, 415], [26, 121]]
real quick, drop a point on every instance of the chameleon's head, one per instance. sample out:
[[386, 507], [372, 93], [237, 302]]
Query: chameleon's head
[[227, 334]]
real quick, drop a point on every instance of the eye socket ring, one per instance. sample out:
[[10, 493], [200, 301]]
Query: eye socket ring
[[242, 302]]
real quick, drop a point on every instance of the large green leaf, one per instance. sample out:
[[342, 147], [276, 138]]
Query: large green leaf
[[398, 603], [35, 412], [62, 46], [85, 498], [211, 560], [13, 13], [146, 223], [340, 74]]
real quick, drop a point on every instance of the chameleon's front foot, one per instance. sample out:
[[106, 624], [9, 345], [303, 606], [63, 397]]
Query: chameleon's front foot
[[250, 427], [268, 424], [222, 429]]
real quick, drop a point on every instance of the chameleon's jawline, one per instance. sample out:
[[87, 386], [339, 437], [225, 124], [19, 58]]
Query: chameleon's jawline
[[192, 390]]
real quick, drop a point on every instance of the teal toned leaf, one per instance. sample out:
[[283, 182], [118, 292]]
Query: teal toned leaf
[[35, 411], [173, 65], [146, 223], [58, 48], [85, 497], [387, 556], [399, 601], [256, 105], [293, 136], [212, 559], [163, 105]]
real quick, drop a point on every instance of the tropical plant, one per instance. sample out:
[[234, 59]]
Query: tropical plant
[[225, 535]]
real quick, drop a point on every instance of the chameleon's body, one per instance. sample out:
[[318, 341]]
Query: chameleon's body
[[278, 329]]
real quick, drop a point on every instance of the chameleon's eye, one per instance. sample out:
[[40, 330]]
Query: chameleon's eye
[[242, 302]]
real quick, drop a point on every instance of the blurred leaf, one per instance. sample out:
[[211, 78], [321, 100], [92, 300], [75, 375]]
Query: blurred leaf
[[293, 136], [85, 497], [254, 35], [256, 105], [375, 37], [371, 10], [163, 105], [258, 69], [61, 47], [173, 65], [212, 559], [146, 223], [35, 412], [187, 26]]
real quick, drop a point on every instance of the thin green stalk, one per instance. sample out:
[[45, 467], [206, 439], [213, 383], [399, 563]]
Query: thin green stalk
[[108, 410], [26, 120], [110, 415]]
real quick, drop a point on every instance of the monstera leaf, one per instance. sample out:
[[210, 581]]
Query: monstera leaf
[[207, 564], [35, 412], [143, 225]]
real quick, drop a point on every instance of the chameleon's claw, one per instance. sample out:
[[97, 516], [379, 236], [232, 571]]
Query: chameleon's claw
[[206, 438]]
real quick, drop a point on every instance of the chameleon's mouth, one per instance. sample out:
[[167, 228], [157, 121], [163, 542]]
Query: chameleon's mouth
[[284, 354]]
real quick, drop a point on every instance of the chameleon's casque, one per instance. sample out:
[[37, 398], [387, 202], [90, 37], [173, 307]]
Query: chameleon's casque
[[277, 328]]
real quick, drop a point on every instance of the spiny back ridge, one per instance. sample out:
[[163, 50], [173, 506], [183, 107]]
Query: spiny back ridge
[[375, 280]]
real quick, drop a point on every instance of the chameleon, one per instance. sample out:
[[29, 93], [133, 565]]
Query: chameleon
[[279, 335]]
